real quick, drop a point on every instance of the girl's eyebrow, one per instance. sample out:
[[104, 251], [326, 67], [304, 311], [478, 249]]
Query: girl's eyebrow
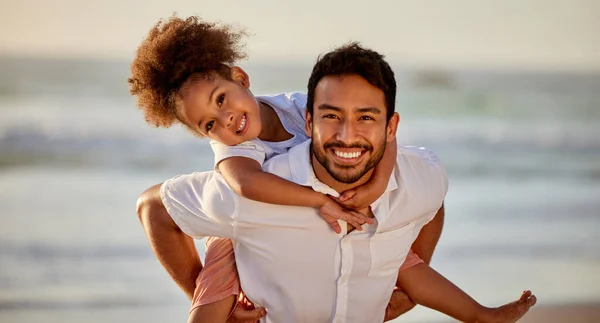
[[211, 94]]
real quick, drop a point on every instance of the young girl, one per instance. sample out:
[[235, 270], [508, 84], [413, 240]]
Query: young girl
[[184, 72]]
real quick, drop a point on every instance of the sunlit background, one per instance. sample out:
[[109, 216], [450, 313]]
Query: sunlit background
[[507, 92]]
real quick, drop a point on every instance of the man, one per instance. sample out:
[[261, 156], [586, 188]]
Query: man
[[288, 260]]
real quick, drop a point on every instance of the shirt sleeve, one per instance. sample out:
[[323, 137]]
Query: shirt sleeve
[[252, 149], [438, 179], [201, 204], [425, 172], [434, 170]]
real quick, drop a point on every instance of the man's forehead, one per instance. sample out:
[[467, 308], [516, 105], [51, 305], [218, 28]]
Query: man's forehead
[[348, 91]]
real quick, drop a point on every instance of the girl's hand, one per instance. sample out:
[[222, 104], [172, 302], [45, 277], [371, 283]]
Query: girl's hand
[[331, 211], [245, 312], [358, 198]]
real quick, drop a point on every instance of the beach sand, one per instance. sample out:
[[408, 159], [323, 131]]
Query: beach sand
[[568, 313], [576, 313]]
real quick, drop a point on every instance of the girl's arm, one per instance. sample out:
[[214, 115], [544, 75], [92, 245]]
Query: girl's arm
[[246, 178], [364, 195]]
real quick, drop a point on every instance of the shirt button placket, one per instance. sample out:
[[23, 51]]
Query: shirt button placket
[[342, 292]]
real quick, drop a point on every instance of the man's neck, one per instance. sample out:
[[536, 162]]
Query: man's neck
[[324, 176]]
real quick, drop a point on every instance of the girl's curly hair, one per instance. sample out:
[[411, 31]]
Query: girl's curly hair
[[173, 51]]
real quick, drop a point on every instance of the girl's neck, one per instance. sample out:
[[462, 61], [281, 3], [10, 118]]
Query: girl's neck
[[272, 128]]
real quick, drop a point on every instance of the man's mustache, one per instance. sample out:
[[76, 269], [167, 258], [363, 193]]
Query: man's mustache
[[339, 144]]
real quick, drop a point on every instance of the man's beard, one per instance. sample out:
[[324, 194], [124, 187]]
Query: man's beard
[[342, 176]]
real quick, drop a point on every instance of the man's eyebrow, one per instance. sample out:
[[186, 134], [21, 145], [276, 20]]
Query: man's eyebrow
[[326, 106], [369, 109], [373, 110]]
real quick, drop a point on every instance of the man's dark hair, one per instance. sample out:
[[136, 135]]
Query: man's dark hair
[[352, 59]]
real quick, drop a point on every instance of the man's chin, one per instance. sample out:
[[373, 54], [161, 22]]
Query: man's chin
[[344, 175]]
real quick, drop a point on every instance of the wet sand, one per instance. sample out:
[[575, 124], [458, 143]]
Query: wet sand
[[575, 313], [565, 313]]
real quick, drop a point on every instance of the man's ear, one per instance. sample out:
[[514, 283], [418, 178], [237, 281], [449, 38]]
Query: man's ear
[[240, 76], [308, 123], [392, 127]]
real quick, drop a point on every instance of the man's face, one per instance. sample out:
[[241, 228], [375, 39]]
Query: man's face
[[348, 127]]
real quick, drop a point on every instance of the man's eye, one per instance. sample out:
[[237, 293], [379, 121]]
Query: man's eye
[[220, 99], [366, 118], [209, 125], [330, 116]]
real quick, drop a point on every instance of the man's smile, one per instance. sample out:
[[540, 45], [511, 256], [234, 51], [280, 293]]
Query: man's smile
[[348, 156]]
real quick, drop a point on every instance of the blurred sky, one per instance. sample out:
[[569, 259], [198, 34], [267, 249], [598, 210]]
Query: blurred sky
[[514, 34]]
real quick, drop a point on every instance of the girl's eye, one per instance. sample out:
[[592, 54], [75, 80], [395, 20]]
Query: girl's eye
[[209, 125], [220, 99]]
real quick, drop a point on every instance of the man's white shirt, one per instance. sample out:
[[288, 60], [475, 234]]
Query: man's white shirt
[[288, 258]]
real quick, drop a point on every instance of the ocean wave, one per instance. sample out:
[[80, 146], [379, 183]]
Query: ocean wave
[[43, 252], [474, 152], [107, 302], [518, 252]]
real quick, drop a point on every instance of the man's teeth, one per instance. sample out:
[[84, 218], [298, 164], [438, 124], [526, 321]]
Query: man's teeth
[[242, 124], [347, 155]]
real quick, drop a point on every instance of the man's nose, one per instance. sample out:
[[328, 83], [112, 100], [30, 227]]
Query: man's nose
[[347, 132]]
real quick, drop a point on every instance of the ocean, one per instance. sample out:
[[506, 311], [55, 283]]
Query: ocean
[[522, 152]]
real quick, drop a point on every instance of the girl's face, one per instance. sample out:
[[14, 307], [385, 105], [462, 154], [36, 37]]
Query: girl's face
[[222, 110]]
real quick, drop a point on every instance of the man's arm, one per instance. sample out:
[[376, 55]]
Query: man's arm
[[174, 249], [429, 236]]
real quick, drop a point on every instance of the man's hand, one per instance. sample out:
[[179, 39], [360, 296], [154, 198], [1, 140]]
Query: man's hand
[[331, 211], [399, 304], [245, 312]]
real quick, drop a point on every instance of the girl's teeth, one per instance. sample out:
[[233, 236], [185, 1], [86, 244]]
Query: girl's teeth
[[241, 127]]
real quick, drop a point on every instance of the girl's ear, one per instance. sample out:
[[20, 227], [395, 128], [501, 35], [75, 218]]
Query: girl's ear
[[240, 76]]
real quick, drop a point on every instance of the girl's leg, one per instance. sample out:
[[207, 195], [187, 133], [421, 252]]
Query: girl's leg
[[217, 285], [427, 287], [217, 312]]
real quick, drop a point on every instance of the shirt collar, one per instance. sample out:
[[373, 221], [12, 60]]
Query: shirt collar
[[304, 174]]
